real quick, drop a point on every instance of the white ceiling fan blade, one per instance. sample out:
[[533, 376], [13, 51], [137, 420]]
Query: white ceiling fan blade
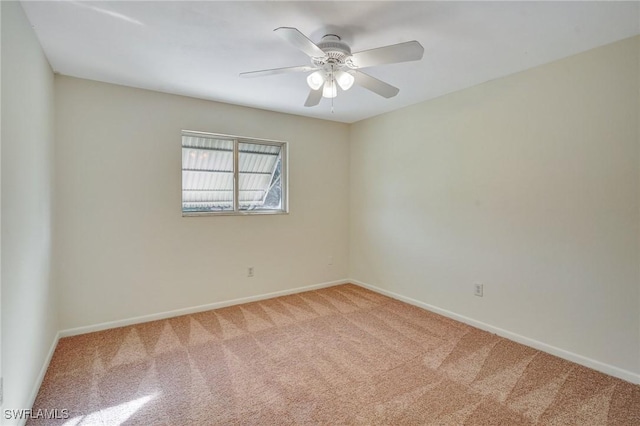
[[299, 40], [314, 98], [376, 86], [262, 73], [403, 52]]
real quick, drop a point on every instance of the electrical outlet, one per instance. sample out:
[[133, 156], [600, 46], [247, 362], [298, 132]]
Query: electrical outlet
[[478, 289], [250, 271]]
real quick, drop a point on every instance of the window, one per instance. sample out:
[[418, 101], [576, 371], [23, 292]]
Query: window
[[232, 175]]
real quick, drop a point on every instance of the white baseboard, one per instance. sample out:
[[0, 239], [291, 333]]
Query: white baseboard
[[192, 310], [40, 378], [611, 370]]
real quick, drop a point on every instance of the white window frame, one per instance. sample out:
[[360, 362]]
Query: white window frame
[[284, 176]]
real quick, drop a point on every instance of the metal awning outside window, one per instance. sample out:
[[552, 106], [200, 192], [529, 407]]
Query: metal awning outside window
[[208, 174]]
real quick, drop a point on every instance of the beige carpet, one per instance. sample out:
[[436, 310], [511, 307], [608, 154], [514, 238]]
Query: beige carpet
[[341, 355]]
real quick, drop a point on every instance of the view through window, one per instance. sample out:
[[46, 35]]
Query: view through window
[[232, 175]]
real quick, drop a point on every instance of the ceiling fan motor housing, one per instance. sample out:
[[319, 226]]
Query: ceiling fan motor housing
[[338, 53]]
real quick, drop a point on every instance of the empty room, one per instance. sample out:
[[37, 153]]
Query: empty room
[[324, 212]]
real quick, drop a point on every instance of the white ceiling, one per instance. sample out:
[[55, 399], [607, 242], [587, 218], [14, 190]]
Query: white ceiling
[[199, 48]]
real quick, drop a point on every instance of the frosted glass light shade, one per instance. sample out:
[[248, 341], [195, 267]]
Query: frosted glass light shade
[[345, 80], [315, 80], [330, 89]]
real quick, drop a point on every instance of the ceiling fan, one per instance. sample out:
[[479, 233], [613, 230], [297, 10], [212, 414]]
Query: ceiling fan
[[333, 65]]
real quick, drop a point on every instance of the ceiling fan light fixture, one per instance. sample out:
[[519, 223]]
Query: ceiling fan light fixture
[[330, 89], [345, 80], [333, 64], [315, 80]]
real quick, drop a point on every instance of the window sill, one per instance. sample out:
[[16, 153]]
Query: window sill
[[239, 213]]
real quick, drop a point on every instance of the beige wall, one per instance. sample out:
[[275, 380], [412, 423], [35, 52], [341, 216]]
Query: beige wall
[[29, 317], [528, 184], [123, 248]]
